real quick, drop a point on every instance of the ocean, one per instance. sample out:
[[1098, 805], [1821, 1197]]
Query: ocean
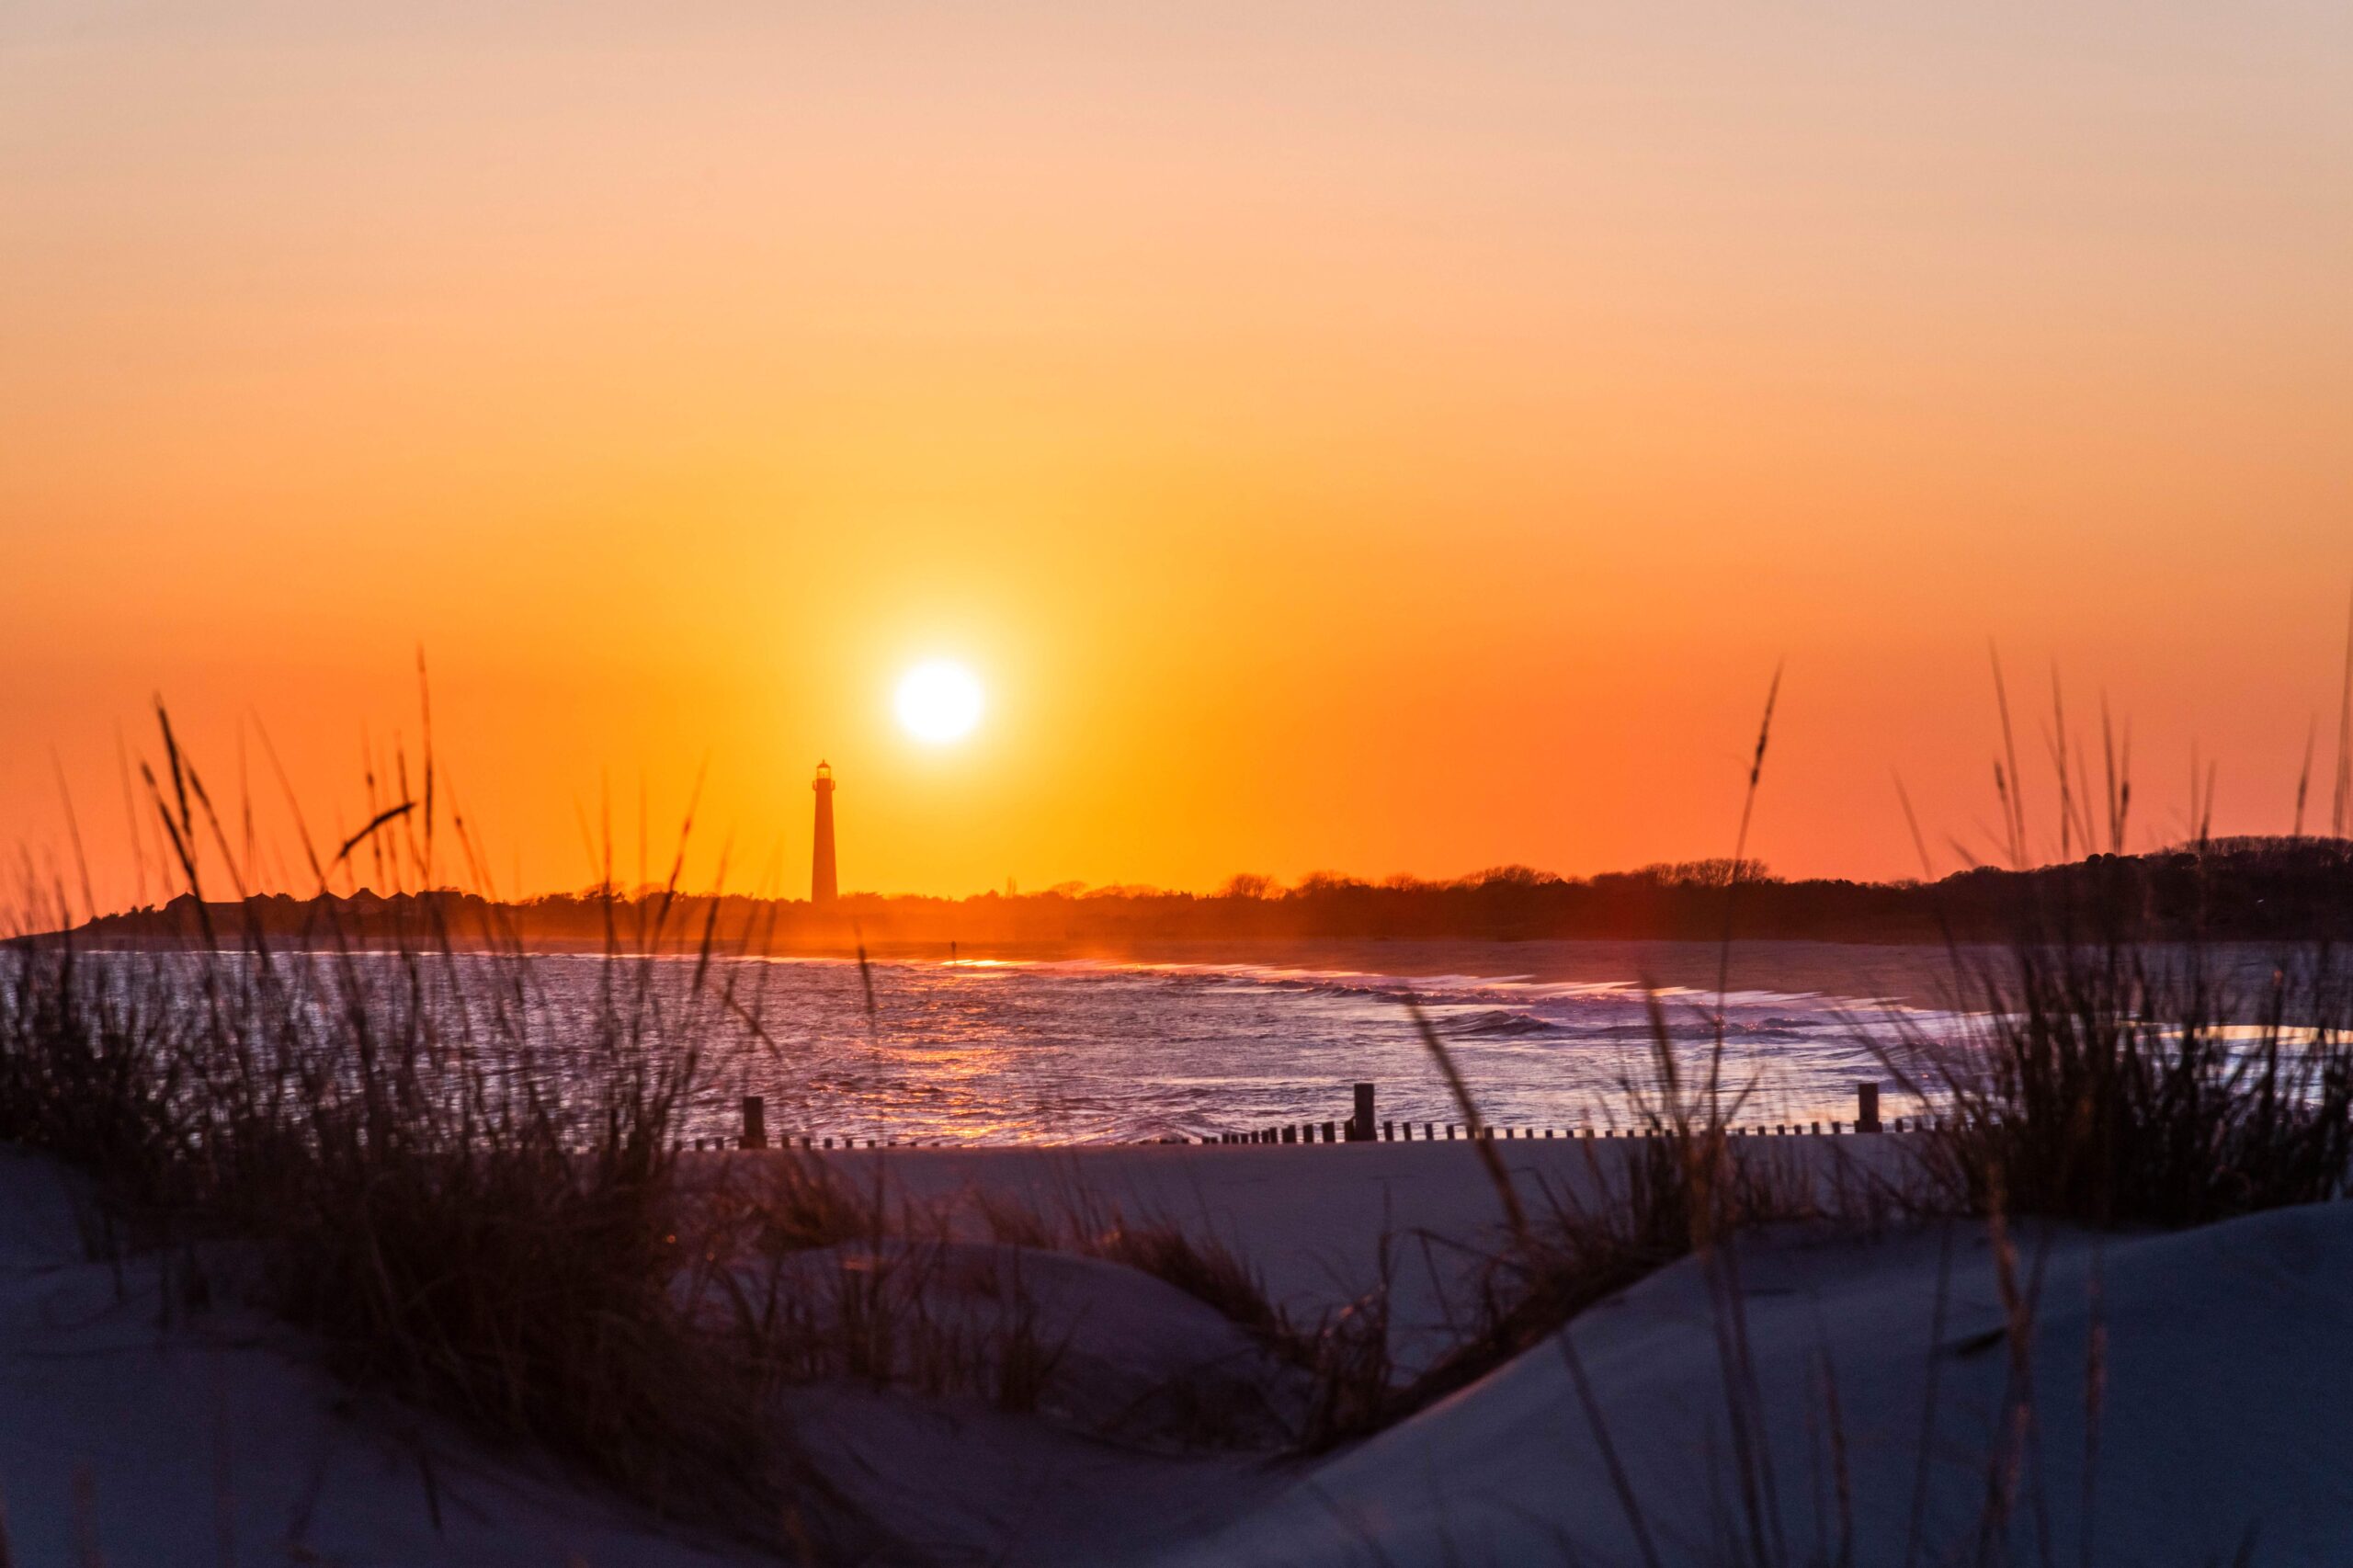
[[1091, 1049]]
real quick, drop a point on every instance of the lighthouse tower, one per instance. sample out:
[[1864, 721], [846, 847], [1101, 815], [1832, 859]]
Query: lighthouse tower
[[822, 886]]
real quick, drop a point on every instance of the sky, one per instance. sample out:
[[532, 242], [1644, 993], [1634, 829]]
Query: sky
[[1373, 438]]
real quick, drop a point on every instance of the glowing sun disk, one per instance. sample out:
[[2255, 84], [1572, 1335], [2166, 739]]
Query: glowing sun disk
[[939, 701]]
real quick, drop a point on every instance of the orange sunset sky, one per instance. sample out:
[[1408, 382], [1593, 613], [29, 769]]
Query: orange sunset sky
[[1390, 438]]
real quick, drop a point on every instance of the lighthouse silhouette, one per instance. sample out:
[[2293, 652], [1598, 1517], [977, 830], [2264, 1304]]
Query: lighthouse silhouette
[[822, 885]]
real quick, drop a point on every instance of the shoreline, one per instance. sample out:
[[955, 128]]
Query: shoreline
[[1908, 974]]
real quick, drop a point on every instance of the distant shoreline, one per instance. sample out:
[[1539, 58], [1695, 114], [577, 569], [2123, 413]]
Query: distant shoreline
[[2264, 890], [1910, 975]]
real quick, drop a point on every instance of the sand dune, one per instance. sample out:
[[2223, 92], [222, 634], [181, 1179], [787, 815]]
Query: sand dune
[[2225, 1402]]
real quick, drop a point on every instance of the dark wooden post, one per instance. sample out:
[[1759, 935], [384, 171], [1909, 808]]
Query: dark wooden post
[[1360, 1124], [1867, 1108], [755, 1122]]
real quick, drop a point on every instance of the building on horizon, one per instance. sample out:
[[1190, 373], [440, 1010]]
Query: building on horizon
[[825, 885]]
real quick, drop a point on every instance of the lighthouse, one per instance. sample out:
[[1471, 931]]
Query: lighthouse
[[822, 886]]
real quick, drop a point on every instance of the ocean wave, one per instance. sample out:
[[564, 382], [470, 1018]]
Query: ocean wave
[[1500, 1023]]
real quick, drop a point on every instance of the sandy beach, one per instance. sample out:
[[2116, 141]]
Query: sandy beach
[[2223, 1393]]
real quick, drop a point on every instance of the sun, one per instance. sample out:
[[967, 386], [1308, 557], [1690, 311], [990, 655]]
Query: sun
[[939, 701]]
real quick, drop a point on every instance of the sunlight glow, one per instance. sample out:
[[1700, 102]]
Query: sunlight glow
[[939, 701]]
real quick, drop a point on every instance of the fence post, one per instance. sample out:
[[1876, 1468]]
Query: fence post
[[1360, 1124], [755, 1122], [1867, 1108]]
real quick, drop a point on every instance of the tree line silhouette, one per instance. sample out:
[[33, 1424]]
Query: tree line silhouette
[[2252, 888]]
